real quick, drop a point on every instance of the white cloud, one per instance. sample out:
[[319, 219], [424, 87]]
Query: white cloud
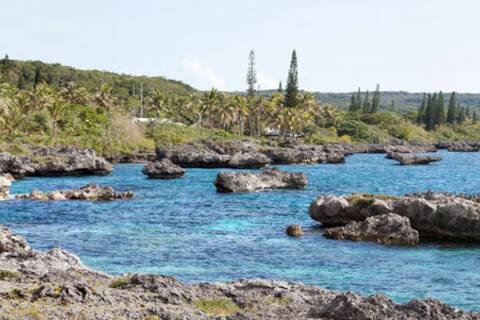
[[265, 81], [202, 76]]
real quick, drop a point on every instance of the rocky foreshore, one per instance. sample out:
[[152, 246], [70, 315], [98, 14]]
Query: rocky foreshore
[[433, 214], [56, 285], [55, 161], [413, 159]]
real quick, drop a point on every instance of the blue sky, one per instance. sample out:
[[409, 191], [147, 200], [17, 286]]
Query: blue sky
[[413, 45]]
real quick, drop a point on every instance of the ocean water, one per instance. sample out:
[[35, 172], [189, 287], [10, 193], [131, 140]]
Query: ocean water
[[185, 229]]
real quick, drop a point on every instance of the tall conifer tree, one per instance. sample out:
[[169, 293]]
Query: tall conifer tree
[[429, 113], [376, 100], [251, 74], [366, 103], [291, 93], [452, 111], [421, 110]]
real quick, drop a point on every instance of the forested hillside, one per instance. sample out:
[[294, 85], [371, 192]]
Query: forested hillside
[[28, 74]]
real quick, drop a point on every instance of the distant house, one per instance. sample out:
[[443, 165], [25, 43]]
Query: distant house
[[156, 120]]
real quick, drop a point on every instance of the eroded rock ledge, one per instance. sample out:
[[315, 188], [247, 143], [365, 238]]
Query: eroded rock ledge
[[433, 214], [55, 161], [56, 285], [227, 182], [414, 159], [91, 191]]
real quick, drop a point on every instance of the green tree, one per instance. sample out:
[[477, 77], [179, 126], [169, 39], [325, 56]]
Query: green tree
[[376, 100], [422, 110], [461, 117], [452, 111], [353, 103], [251, 74], [474, 118], [358, 104], [439, 110], [366, 103], [291, 94], [280, 87], [429, 113]]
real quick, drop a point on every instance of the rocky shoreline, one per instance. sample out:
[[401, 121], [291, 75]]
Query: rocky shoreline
[[57, 285]]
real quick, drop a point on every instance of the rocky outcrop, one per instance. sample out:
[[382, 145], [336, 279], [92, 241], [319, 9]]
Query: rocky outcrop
[[436, 215], [253, 181], [91, 192], [57, 161], [389, 229], [463, 146], [56, 285], [415, 159], [294, 230], [399, 147], [247, 154], [5, 183], [163, 169]]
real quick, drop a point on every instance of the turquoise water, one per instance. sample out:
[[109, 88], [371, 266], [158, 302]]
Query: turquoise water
[[185, 229]]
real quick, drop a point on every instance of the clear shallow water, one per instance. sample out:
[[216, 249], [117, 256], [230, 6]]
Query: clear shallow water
[[185, 229]]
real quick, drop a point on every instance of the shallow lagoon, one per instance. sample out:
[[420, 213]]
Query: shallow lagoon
[[185, 229]]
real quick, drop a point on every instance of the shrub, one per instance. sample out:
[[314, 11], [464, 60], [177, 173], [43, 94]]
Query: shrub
[[220, 307]]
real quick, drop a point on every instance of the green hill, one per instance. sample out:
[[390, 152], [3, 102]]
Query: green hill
[[24, 74]]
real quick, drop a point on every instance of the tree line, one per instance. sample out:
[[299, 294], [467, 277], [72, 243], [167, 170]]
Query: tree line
[[365, 105], [432, 113]]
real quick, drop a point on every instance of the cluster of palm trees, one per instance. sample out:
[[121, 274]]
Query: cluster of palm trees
[[17, 105], [239, 114]]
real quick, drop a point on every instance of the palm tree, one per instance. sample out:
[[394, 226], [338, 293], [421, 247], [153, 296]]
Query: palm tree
[[160, 102], [104, 98], [73, 94], [208, 103], [57, 110], [239, 104], [225, 112]]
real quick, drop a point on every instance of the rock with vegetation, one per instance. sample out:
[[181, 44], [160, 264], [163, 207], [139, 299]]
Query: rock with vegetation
[[91, 192], [413, 159], [163, 169], [255, 181], [294, 230], [435, 215], [34, 284], [5, 183], [389, 229]]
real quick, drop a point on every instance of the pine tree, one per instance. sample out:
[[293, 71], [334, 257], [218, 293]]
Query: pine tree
[[376, 100], [22, 83], [392, 106], [452, 111], [366, 103], [474, 118], [353, 103], [251, 74], [439, 110], [467, 113], [280, 87], [429, 113], [291, 94], [5, 66], [461, 114], [38, 77], [421, 110], [358, 104]]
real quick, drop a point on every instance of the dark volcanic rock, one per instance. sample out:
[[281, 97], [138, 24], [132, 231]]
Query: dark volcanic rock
[[463, 146], [436, 215], [57, 161], [56, 285], [163, 169], [294, 230], [414, 159], [88, 192], [265, 179], [390, 229]]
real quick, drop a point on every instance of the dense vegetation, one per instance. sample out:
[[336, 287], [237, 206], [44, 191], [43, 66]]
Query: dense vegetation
[[44, 104]]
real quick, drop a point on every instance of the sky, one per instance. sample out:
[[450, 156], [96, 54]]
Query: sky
[[411, 45]]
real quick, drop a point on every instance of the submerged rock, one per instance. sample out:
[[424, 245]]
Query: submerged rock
[[40, 282], [414, 159], [294, 230], [163, 169], [265, 179], [389, 229], [436, 215], [89, 192]]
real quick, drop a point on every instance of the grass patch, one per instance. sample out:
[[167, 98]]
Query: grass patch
[[278, 300], [221, 307], [119, 282], [170, 134], [364, 200], [7, 274]]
